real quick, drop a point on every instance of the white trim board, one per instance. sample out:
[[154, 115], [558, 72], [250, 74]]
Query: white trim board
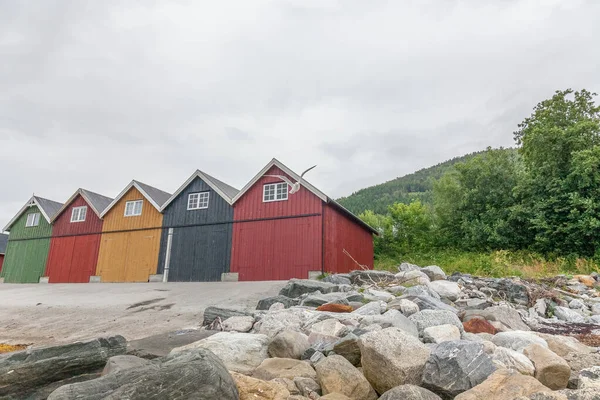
[[205, 179], [132, 184]]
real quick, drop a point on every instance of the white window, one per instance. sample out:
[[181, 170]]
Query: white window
[[78, 214], [33, 219], [275, 192], [197, 201], [133, 208]]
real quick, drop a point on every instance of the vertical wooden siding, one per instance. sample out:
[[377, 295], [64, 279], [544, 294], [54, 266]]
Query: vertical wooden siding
[[27, 250], [74, 246], [276, 249], [129, 245], [201, 246], [1, 262], [343, 233]]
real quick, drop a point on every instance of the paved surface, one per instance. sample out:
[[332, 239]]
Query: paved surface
[[54, 313]]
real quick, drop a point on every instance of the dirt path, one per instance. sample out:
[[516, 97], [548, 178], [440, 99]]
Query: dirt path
[[44, 314]]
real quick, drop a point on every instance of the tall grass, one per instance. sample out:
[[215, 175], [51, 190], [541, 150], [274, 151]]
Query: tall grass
[[495, 264]]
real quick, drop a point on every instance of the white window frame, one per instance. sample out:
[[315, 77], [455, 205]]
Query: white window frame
[[79, 214], [134, 204], [198, 200], [35, 220], [275, 187]]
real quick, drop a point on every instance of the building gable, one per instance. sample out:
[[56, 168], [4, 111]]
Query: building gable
[[176, 212], [19, 230], [115, 219], [62, 224]]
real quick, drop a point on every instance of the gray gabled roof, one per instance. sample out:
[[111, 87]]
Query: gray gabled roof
[[155, 196], [3, 243], [48, 208], [95, 200], [221, 188]]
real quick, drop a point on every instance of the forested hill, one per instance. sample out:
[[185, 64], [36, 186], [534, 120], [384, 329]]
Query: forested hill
[[415, 186]]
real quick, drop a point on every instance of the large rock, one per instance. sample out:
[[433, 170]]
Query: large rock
[[479, 325], [274, 322], [512, 360], [550, 369], [409, 392], [578, 362], [298, 287], [329, 327], [409, 278], [512, 290], [392, 357], [25, 371], [434, 273], [212, 313], [197, 374], [240, 352], [120, 363], [563, 345], [503, 318], [589, 378], [391, 318], [427, 318], [288, 344], [318, 299], [378, 295], [348, 348], [580, 394], [568, 315], [267, 302], [406, 307], [257, 389], [372, 308], [272, 368], [517, 340], [336, 375], [504, 385], [361, 277], [238, 324], [307, 387], [338, 279], [160, 345], [454, 367], [429, 303], [440, 333], [446, 289]]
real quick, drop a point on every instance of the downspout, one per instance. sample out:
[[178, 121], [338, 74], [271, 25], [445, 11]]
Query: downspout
[[168, 256], [323, 238]]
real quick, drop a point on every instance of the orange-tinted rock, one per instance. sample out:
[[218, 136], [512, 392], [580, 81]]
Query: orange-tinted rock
[[340, 308], [479, 325], [586, 280]]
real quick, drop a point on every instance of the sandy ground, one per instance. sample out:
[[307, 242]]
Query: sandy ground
[[56, 313]]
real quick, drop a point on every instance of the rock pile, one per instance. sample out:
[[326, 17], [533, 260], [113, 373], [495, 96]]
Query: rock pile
[[415, 334]]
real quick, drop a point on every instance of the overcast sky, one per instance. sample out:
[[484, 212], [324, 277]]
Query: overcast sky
[[96, 93]]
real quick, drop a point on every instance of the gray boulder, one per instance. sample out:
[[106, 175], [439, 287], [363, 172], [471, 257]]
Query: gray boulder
[[434, 273], [288, 344], [238, 324], [298, 287], [266, 303], [446, 289], [336, 375], [409, 392], [120, 363], [503, 318], [455, 367], [372, 308], [408, 267], [391, 318], [197, 374], [338, 279], [509, 289], [429, 303], [348, 348], [517, 340], [568, 315], [412, 278], [406, 307], [392, 357], [24, 371], [427, 318], [212, 313]]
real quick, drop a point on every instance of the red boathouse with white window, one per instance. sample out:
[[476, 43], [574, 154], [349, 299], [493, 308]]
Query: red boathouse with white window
[[278, 235]]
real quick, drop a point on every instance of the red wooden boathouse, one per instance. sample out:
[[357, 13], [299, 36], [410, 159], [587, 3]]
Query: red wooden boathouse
[[278, 235], [75, 242]]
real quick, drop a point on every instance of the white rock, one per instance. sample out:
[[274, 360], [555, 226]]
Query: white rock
[[440, 333], [434, 273], [330, 327], [272, 323], [510, 359], [412, 278], [277, 307], [405, 306], [372, 308], [446, 289], [566, 314], [238, 324], [576, 304], [378, 295], [240, 352], [589, 378], [517, 340]]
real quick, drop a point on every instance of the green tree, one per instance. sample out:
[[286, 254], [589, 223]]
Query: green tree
[[559, 148], [412, 226]]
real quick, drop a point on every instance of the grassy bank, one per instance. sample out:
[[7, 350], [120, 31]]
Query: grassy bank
[[495, 264]]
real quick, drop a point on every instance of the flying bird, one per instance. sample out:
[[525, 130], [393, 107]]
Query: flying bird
[[294, 187]]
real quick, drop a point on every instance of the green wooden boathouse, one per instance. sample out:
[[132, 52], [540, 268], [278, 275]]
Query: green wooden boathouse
[[29, 241]]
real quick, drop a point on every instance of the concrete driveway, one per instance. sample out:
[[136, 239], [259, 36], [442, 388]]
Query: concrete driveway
[[53, 313]]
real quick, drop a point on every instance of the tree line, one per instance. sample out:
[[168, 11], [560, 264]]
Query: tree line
[[543, 196]]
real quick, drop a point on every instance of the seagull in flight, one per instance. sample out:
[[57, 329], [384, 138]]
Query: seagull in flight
[[294, 187]]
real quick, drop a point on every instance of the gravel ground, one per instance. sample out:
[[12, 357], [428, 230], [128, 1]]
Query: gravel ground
[[55, 313]]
